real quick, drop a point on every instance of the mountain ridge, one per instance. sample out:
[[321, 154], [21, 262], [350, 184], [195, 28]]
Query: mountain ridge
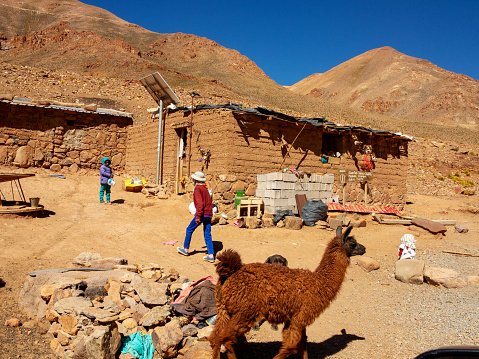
[[386, 81], [116, 48]]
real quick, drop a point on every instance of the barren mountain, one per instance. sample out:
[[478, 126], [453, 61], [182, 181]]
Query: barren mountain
[[61, 47], [388, 82]]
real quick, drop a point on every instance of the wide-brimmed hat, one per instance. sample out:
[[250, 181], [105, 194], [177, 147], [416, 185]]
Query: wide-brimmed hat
[[199, 176]]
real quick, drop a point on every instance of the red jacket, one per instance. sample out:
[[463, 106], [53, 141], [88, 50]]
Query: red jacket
[[202, 200]]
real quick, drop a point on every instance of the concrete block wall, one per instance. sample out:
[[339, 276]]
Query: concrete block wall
[[60, 138], [278, 190]]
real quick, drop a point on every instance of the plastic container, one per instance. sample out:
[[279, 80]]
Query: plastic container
[[239, 196], [211, 320]]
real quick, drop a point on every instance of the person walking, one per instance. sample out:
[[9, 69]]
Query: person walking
[[203, 214], [105, 175]]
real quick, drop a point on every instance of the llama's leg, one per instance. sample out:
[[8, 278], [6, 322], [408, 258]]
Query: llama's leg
[[302, 350], [292, 337], [225, 333]]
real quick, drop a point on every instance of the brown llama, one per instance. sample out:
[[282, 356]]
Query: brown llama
[[249, 293]]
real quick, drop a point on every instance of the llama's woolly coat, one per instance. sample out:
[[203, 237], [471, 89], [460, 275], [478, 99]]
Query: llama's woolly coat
[[250, 293], [299, 290]]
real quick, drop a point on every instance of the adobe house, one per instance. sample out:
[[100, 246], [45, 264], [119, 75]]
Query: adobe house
[[61, 137], [232, 145]]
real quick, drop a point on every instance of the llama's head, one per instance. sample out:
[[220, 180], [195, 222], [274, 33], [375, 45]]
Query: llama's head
[[351, 247]]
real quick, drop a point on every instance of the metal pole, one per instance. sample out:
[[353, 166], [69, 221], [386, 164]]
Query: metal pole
[[191, 134], [158, 157]]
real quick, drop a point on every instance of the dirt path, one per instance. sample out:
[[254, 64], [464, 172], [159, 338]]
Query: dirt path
[[374, 316]]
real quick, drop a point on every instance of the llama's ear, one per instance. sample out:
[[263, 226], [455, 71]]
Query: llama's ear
[[346, 233], [339, 230]]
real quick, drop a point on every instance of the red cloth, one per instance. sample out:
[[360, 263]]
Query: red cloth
[[202, 200]]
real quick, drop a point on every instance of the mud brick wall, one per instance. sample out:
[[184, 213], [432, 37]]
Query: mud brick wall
[[141, 155], [58, 138], [244, 145]]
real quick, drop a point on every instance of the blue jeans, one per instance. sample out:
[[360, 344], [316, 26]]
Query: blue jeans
[[206, 230], [105, 188]]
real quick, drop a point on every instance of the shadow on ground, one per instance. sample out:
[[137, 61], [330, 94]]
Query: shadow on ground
[[321, 350]]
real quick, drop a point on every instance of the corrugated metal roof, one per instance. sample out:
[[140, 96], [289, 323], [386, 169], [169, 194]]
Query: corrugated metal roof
[[315, 121]]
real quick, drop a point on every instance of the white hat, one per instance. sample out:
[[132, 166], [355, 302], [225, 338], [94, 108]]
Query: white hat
[[198, 176]]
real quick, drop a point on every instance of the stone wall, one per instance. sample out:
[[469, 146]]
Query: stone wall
[[60, 138], [240, 146]]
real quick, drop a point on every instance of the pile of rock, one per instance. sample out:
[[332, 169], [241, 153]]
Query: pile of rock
[[90, 309], [156, 191]]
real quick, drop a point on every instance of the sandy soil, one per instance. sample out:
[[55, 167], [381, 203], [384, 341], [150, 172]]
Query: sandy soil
[[374, 316]]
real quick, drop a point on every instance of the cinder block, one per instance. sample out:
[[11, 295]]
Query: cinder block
[[269, 209], [314, 186], [260, 193], [315, 178], [325, 194], [280, 185], [299, 186], [272, 193], [289, 177], [261, 178], [292, 201], [274, 176], [326, 186], [328, 178], [268, 201], [278, 202], [262, 185], [287, 193]]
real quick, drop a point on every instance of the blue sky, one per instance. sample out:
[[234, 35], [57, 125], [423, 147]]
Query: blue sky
[[291, 40]]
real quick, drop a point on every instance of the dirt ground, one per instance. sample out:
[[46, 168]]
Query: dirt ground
[[374, 315]]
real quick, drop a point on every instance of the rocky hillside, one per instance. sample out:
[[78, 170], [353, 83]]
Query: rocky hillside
[[388, 82], [70, 51]]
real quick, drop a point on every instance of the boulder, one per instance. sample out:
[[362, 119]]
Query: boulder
[[410, 271], [205, 332], [96, 313], [23, 157], [114, 288], [367, 263], [13, 322], [102, 343], [46, 291], [189, 330], [150, 293], [130, 323], [444, 277], [56, 167], [201, 350], [431, 226], [461, 229], [156, 316], [108, 263], [473, 279], [72, 305], [252, 222], [166, 339], [238, 186], [291, 222], [69, 324], [84, 259]]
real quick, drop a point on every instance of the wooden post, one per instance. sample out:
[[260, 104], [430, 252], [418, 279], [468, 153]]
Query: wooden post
[[344, 194], [366, 193]]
